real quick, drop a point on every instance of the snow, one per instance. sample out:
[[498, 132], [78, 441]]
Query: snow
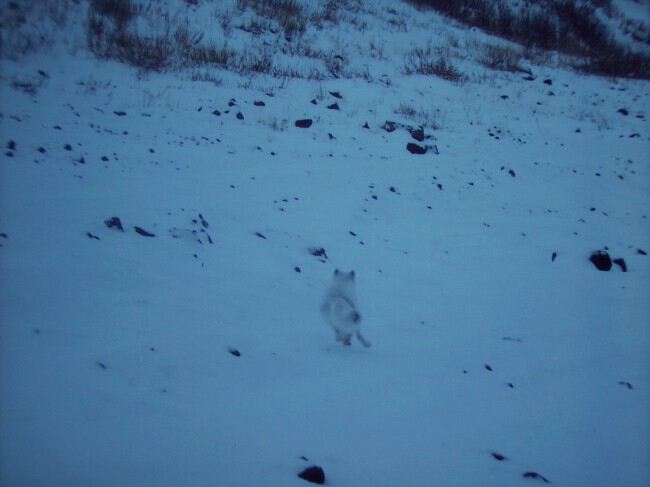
[[115, 363]]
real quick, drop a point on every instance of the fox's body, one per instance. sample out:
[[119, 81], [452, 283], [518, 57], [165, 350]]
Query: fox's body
[[340, 308]]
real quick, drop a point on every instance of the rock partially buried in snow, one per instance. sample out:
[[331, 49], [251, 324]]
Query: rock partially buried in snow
[[143, 232], [415, 148], [621, 263], [313, 474], [114, 222], [304, 123], [418, 134]]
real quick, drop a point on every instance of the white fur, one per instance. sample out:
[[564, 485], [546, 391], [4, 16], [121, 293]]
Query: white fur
[[340, 308]]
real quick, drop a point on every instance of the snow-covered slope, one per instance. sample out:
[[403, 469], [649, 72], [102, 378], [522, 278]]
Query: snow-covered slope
[[198, 356]]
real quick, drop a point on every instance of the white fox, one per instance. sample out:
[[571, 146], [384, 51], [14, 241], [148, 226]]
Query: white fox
[[340, 308]]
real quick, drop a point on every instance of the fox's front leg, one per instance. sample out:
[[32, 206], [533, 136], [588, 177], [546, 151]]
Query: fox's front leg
[[343, 338], [363, 341]]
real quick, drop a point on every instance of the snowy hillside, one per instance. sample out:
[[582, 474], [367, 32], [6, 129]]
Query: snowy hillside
[[187, 347]]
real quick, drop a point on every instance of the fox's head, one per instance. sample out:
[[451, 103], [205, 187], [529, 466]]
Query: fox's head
[[345, 282], [343, 276]]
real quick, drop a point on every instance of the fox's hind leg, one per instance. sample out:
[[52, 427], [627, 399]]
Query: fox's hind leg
[[363, 341]]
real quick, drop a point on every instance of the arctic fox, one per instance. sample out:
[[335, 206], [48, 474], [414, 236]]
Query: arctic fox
[[340, 308]]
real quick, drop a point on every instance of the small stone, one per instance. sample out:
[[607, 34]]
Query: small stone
[[120, 113], [318, 252], [304, 123], [333, 106], [336, 94], [498, 456], [623, 111], [259, 103], [234, 351], [240, 116]]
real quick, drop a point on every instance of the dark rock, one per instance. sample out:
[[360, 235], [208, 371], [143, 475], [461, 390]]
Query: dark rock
[[601, 260], [304, 123], [297, 269], [120, 113], [114, 222], [487, 367], [313, 101], [504, 97], [330, 136], [336, 94], [511, 172], [553, 256], [333, 106], [91, 236], [259, 103], [232, 102], [418, 134], [623, 111], [42, 150], [641, 252], [529, 78], [234, 351], [240, 116], [548, 82], [81, 160], [143, 232], [415, 148], [366, 126], [389, 126], [313, 474], [11, 145], [621, 263], [260, 235], [67, 147], [101, 365], [498, 456], [217, 113], [535, 475]]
